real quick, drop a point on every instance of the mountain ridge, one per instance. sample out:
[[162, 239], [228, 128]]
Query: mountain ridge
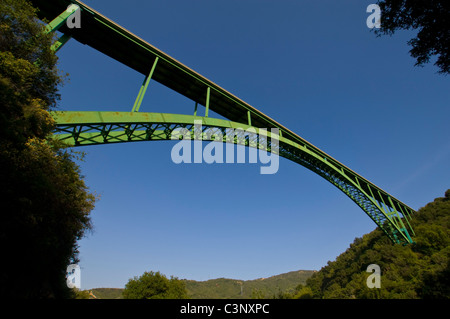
[[228, 288]]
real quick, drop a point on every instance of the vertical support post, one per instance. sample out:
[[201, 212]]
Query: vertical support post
[[140, 97], [371, 193], [399, 218], [249, 115], [407, 215], [403, 212], [368, 186], [382, 201], [60, 42], [357, 181], [386, 211], [195, 110], [208, 94]]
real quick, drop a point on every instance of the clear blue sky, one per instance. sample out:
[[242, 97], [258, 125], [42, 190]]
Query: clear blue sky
[[313, 66]]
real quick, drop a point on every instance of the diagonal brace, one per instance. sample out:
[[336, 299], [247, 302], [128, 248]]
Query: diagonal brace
[[140, 97]]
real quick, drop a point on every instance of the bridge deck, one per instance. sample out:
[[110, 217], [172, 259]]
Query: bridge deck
[[104, 35]]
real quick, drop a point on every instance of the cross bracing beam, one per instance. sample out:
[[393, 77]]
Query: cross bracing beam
[[90, 128], [93, 128]]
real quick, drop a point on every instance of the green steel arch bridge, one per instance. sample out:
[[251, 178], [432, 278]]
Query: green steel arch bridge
[[93, 127]]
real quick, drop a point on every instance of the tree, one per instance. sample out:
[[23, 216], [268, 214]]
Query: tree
[[81, 294], [153, 285], [420, 270], [258, 294], [45, 204], [303, 292], [431, 18]]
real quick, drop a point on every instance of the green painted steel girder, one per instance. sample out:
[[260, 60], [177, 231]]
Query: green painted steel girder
[[57, 22], [60, 42], [143, 90], [94, 128]]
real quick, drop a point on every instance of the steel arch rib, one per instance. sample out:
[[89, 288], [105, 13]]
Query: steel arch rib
[[93, 128], [90, 128]]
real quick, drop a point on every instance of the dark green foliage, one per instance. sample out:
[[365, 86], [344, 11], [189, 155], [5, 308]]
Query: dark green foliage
[[29, 78], [81, 294], [45, 203], [154, 285], [414, 271], [431, 19], [270, 287], [107, 293], [286, 284]]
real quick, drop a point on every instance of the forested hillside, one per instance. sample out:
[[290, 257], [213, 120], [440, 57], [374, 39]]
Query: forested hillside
[[270, 287], [223, 288], [418, 271], [415, 271]]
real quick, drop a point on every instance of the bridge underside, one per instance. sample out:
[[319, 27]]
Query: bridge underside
[[92, 128]]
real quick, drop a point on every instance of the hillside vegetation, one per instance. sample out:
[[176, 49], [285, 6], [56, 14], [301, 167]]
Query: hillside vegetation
[[418, 271], [414, 271], [224, 288], [244, 289]]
